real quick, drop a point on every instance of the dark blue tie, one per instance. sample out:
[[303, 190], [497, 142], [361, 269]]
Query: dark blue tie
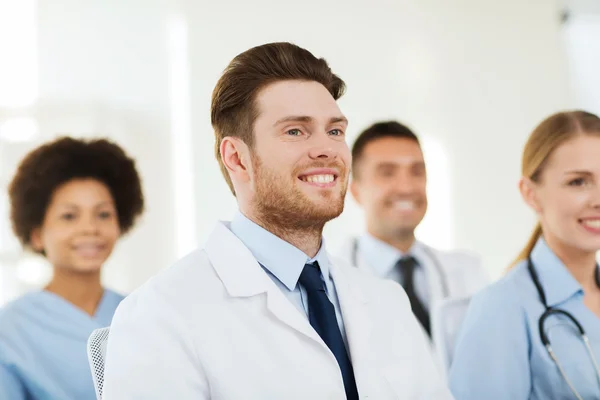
[[407, 267], [321, 315]]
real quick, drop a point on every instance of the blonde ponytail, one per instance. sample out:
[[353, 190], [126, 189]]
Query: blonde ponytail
[[526, 252]]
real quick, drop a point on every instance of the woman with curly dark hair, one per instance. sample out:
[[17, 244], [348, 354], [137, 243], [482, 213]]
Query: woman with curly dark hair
[[71, 201]]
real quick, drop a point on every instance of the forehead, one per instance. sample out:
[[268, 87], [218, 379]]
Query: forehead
[[393, 150], [81, 190], [296, 98], [581, 153]]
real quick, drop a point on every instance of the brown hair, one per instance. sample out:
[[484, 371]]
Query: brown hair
[[233, 107], [379, 130], [543, 141]]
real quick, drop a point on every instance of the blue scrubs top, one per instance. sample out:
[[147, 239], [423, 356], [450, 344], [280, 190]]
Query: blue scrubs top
[[499, 354], [43, 347]]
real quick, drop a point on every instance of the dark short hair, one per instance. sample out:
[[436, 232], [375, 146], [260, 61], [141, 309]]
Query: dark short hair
[[47, 167], [379, 130], [233, 108]]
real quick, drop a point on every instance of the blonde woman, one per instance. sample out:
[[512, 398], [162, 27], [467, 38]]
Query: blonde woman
[[526, 336]]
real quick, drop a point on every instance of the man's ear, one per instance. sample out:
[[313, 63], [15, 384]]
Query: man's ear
[[354, 190], [528, 190], [236, 158]]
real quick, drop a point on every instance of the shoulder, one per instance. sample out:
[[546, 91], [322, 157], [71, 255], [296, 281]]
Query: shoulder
[[174, 288], [464, 269], [113, 295], [506, 295], [20, 307], [110, 302], [18, 319], [456, 259]]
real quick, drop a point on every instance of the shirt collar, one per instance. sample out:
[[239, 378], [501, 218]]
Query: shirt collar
[[381, 256], [280, 258], [556, 280]]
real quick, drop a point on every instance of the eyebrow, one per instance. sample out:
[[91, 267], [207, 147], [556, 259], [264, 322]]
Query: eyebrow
[[306, 118], [388, 164], [71, 205], [578, 172]]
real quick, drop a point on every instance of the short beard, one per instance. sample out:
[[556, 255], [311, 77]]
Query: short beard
[[287, 212]]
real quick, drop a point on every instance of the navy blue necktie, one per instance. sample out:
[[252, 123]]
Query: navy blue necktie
[[407, 267], [321, 315]]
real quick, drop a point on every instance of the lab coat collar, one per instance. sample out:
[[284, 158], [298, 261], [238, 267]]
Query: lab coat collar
[[242, 276], [280, 258], [235, 265], [558, 283]]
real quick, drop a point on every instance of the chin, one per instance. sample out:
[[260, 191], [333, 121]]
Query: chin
[[592, 247], [88, 267], [329, 206], [89, 271]]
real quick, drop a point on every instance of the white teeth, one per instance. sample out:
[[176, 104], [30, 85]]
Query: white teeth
[[404, 205], [593, 223], [88, 250], [319, 178]]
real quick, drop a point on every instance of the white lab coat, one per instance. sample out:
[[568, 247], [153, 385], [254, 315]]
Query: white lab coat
[[463, 276], [215, 326]]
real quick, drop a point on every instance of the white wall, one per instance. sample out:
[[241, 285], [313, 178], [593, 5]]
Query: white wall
[[582, 42], [473, 76]]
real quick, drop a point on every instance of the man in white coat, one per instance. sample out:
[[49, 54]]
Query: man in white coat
[[389, 181], [261, 311]]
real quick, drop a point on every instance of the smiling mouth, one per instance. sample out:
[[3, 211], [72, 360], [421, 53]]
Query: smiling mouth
[[404, 205], [591, 223], [323, 179], [89, 250]]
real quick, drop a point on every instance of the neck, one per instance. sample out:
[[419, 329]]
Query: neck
[[82, 290], [580, 263], [402, 241], [303, 237]]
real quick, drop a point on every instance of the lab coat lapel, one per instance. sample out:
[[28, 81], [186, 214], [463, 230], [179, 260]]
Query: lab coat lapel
[[353, 303], [428, 257], [242, 276]]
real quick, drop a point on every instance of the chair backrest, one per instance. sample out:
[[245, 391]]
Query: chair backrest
[[96, 350], [446, 322]]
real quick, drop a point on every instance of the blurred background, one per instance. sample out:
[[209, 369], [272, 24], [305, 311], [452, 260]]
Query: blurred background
[[472, 77]]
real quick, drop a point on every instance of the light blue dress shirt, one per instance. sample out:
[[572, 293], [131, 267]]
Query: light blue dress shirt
[[284, 263], [43, 353], [382, 258], [499, 354]]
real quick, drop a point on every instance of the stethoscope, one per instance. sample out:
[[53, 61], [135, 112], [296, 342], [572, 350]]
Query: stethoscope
[[436, 263], [556, 311]]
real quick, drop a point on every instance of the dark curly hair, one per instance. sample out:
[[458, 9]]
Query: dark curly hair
[[47, 167]]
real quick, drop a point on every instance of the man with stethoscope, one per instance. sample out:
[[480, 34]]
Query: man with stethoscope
[[389, 182]]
